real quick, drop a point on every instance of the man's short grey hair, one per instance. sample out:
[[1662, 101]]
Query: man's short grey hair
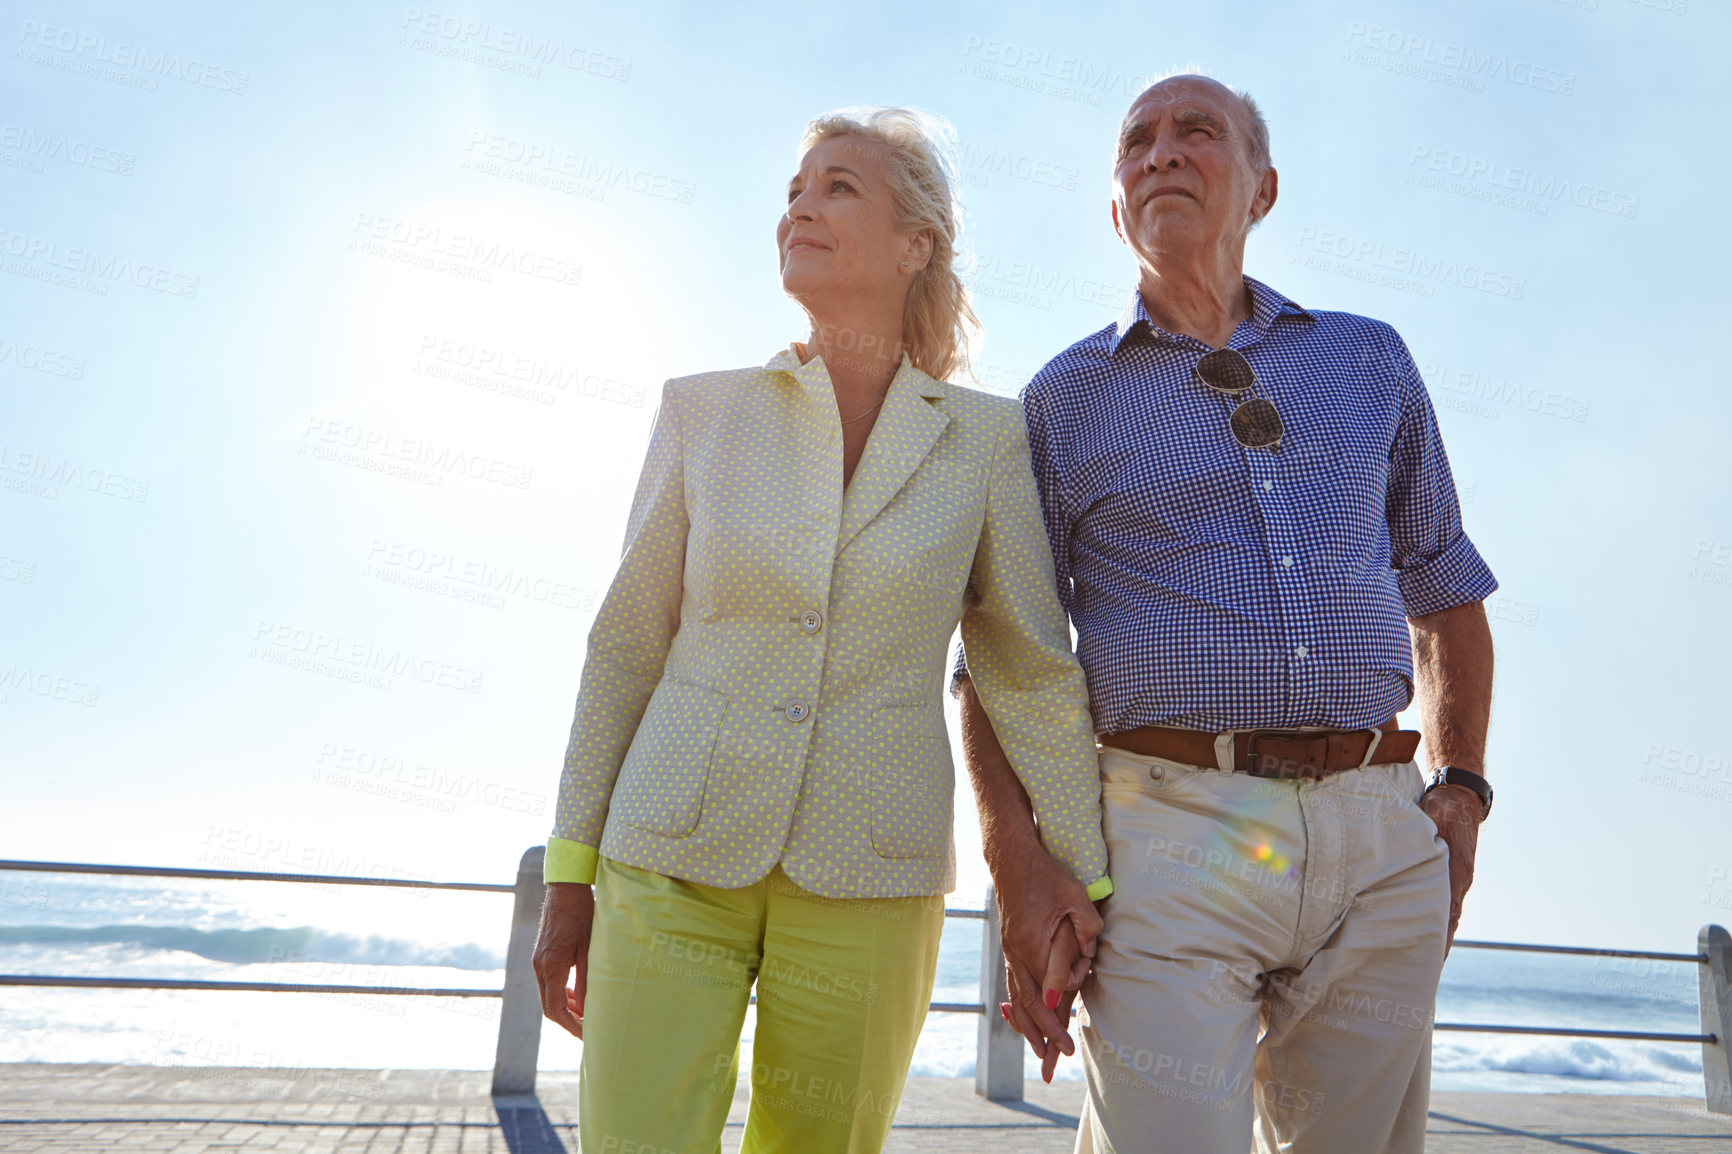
[[1257, 146]]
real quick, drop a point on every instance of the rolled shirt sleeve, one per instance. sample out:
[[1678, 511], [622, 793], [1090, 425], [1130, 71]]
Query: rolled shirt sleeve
[[958, 669], [1436, 566], [569, 861], [1019, 657]]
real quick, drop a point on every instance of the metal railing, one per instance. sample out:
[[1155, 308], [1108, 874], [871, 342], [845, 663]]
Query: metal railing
[[999, 1055], [520, 1018]]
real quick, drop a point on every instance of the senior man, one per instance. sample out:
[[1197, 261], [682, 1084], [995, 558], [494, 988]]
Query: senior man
[[1257, 537]]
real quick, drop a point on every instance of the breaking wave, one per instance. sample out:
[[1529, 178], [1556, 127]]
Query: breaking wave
[[242, 947]]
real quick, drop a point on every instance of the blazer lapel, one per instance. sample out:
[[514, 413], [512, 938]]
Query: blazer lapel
[[907, 428]]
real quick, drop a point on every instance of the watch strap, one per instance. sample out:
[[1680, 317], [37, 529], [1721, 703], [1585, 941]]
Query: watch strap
[[1467, 779]]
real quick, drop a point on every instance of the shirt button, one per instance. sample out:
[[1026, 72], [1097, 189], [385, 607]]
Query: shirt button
[[1268, 484], [811, 621], [1287, 561], [1301, 651], [795, 710]]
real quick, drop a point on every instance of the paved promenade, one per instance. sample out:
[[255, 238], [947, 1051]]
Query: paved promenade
[[71, 1109]]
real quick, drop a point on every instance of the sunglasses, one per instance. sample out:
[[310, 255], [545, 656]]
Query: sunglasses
[[1256, 424]]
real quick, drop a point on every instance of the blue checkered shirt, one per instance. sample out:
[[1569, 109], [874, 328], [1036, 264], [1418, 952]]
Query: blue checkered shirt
[[1217, 587]]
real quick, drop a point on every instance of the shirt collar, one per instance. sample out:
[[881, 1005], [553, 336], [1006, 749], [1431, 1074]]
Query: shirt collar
[[1267, 306], [815, 374]]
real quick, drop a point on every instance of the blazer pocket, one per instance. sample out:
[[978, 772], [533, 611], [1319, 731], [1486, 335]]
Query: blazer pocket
[[661, 785], [914, 786]]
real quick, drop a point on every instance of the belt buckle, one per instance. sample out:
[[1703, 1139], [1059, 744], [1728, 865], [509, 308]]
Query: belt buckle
[[1251, 753]]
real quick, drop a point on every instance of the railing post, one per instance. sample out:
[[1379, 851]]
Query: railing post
[[998, 1051], [1716, 999], [520, 1009]]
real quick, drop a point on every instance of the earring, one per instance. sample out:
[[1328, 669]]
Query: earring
[[904, 264]]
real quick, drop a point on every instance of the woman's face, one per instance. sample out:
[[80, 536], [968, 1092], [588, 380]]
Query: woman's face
[[839, 238]]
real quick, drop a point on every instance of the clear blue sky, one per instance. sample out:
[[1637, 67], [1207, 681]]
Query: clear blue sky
[[269, 276]]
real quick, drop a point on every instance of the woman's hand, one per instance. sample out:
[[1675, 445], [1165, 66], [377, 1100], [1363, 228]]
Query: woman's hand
[[1066, 967], [1037, 898], [561, 947]]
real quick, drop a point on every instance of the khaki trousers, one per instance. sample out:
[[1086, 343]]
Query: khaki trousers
[[1267, 972]]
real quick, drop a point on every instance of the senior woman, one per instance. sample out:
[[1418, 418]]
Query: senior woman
[[759, 782]]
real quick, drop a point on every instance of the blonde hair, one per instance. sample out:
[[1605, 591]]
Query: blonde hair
[[937, 320]]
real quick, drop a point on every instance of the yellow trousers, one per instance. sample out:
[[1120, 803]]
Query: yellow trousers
[[843, 986]]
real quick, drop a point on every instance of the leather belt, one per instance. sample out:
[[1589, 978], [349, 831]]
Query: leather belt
[[1273, 752]]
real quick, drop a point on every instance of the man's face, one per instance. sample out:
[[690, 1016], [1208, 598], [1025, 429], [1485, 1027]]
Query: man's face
[[1184, 180]]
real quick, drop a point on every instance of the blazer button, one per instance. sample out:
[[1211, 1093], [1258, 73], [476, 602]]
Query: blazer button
[[811, 621], [795, 710]]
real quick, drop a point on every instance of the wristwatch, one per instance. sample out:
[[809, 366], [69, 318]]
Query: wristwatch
[[1450, 775]]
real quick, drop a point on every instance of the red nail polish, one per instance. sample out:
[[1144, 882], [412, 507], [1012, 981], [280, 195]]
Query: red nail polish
[[1004, 1008], [1052, 999]]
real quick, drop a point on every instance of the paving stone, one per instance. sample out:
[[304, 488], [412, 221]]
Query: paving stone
[[98, 1109]]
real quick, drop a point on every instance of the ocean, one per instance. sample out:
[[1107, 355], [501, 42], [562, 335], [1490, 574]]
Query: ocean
[[281, 932]]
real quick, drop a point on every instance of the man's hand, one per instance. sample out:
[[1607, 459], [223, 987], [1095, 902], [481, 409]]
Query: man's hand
[[1037, 898], [1452, 672], [1455, 810], [1035, 893], [1066, 964], [561, 947], [1066, 967]]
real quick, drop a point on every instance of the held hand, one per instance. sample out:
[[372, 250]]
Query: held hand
[[1066, 967], [1065, 970], [1034, 902], [562, 947], [1050, 1063], [1455, 811]]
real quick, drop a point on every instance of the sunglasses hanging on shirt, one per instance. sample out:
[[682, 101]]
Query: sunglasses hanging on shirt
[[1256, 424]]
